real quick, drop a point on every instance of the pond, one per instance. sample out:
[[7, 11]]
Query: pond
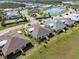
[[54, 11]]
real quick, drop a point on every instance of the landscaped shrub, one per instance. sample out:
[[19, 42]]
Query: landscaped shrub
[[33, 15], [45, 46], [29, 24]]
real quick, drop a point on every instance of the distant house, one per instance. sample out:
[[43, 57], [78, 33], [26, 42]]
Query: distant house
[[39, 32], [55, 25], [76, 15], [12, 16], [68, 21], [11, 43], [73, 17]]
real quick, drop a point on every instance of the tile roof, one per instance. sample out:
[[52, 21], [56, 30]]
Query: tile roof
[[69, 22], [39, 31], [15, 41]]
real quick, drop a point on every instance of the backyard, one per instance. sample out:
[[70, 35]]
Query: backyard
[[63, 46], [12, 25]]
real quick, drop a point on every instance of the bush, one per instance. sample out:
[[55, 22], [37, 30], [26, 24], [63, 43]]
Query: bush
[[29, 24], [45, 41], [45, 46], [40, 20], [34, 15]]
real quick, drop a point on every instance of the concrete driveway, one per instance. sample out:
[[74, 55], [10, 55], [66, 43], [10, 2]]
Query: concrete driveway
[[2, 32]]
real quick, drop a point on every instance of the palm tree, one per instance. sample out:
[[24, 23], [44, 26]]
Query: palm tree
[[3, 22], [49, 14], [2, 18], [24, 18]]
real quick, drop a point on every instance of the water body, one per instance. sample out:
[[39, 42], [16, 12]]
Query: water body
[[54, 11]]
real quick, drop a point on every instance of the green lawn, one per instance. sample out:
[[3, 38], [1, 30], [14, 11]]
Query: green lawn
[[11, 25], [65, 46]]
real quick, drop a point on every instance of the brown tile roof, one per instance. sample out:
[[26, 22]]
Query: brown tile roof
[[39, 31], [4, 37], [15, 41]]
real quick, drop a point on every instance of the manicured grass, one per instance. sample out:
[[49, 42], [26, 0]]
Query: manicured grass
[[11, 25], [65, 46]]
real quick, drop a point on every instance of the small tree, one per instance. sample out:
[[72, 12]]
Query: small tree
[[40, 20], [75, 9], [29, 24], [67, 14], [60, 15], [3, 22], [49, 14], [45, 46], [24, 18], [33, 14], [0, 18]]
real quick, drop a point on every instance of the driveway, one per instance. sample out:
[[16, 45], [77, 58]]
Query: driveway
[[2, 32]]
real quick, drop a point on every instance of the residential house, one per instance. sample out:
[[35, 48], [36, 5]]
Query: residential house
[[12, 43], [68, 22], [77, 12], [12, 16], [73, 17], [55, 25], [39, 32]]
